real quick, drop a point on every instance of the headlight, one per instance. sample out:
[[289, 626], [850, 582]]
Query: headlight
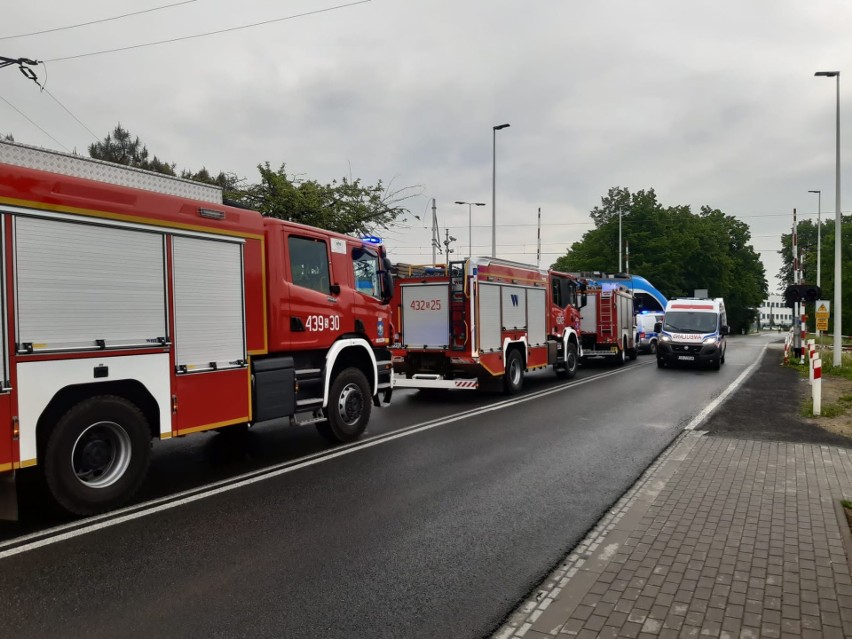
[[711, 340], [665, 338]]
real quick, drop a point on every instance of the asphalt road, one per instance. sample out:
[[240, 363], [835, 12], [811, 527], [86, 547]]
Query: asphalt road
[[436, 525]]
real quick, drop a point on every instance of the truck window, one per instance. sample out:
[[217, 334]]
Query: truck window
[[365, 264], [309, 263]]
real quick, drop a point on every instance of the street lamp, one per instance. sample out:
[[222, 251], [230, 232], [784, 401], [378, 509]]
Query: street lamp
[[819, 229], [494, 187], [837, 229], [470, 206]]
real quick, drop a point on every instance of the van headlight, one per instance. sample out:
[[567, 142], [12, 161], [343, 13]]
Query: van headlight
[[713, 339], [665, 338]]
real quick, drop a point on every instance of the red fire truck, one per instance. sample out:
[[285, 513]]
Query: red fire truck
[[136, 306], [483, 319], [607, 322]]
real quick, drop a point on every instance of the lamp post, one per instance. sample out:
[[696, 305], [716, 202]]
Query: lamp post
[[494, 187], [819, 229], [819, 245], [470, 206], [837, 229]]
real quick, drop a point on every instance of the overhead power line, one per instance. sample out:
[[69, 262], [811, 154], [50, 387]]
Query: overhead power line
[[30, 120], [210, 33], [86, 24]]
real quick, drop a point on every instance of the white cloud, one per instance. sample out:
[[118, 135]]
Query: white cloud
[[710, 103]]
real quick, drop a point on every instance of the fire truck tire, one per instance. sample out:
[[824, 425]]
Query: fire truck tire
[[513, 377], [97, 456], [571, 361], [349, 406], [622, 356]]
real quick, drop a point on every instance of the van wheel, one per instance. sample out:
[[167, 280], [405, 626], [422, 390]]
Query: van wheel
[[513, 378], [348, 409], [652, 347], [660, 363], [570, 368], [716, 364], [97, 456]]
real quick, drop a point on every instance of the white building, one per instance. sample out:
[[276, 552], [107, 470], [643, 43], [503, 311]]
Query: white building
[[775, 313]]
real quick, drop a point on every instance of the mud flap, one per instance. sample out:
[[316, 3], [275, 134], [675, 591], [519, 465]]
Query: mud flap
[[8, 497]]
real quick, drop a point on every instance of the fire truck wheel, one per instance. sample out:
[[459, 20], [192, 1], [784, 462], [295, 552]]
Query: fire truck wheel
[[622, 356], [348, 408], [570, 368], [513, 378], [98, 454]]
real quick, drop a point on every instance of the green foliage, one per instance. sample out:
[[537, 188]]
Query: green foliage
[[675, 249], [826, 410], [121, 148], [806, 236], [345, 206]]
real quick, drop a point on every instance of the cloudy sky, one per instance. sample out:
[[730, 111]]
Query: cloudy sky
[[706, 102]]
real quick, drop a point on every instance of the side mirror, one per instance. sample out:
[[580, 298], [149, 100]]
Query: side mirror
[[583, 300], [726, 330], [387, 280], [658, 327], [334, 289]]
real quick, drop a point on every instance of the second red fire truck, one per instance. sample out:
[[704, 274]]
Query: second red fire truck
[[482, 320], [135, 306]]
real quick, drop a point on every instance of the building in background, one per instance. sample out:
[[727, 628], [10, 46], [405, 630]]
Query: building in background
[[775, 314]]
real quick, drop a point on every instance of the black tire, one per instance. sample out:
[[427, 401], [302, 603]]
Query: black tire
[[631, 353], [571, 362], [716, 363], [97, 456], [652, 347], [349, 407], [513, 377], [661, 363], [621, 358], [722, 359]]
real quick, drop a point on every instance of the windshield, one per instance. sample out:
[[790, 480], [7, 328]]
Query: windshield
[[690, 322]]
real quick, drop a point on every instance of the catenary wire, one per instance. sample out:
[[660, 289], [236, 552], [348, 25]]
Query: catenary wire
[[33, 123], [210, 33], [102, 20]]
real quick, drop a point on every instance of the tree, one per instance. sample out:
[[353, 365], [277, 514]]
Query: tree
[[121, 148], [677, 250], [345, 206], [806, 238]]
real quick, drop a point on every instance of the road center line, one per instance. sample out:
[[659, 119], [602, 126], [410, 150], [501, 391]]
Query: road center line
[[130, 513]]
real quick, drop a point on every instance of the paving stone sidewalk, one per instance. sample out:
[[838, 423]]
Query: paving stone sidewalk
[[720, 537]]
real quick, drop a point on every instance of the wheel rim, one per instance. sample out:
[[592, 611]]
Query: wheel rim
[[515, 372], [101, 454], [571, 361], [350, 404]]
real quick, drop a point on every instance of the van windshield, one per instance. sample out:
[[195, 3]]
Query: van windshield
[[690, 322]]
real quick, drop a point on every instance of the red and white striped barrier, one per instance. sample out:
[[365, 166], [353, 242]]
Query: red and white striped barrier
[[816, 389], [811, 356]]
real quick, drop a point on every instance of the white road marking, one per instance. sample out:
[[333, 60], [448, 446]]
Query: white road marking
[[704, 414], [58, 534]]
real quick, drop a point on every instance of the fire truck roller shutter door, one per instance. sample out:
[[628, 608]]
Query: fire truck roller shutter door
[[489, 317], [209, 322], [536, 316], [81, 283]]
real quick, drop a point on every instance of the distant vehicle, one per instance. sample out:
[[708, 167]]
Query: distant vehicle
[[646, 336], [693, 332]]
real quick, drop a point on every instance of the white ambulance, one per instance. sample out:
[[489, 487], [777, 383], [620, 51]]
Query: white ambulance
[[693, 332]]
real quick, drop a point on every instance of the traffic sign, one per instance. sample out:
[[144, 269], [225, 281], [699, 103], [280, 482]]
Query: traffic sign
[[823, 310]]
